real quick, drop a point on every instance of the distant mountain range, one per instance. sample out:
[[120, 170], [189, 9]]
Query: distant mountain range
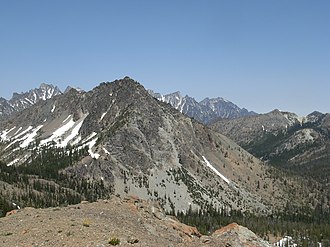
[[120, 139], [204, 111], [140, 146], [299, 144], [21, 101]]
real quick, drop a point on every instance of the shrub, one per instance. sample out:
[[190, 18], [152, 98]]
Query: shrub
[[87, 223], [114, 241]]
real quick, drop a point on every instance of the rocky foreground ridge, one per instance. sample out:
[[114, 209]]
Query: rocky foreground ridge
[[128, 222]]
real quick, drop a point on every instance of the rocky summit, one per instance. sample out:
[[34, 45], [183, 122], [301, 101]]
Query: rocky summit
[[125, 222], [118, 139], [21, 101], [205, 111]]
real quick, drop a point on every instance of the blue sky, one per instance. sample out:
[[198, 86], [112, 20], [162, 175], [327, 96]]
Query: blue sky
[[259, 54]]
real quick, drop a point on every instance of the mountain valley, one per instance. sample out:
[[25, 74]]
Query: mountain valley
[[120, 139], [298, 144]]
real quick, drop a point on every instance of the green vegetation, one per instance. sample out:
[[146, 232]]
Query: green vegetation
[[42, 182], [300, 223], [194, 189], [114, 241], [5, 207], [120, 121], [315, 165]]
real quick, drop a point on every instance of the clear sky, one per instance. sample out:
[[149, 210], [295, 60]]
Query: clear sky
[[259, 54]]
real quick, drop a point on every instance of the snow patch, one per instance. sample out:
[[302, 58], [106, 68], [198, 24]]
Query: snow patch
[[15, 205], [19, 129], [29, 101], [286, 241], [208, 164], [4, 134], [103, 116], [23, 132], [74, 133], [13, 162], [90, 151], [59, 132], [17, 139], [106, 151], [30, 137], [66, 119], [76, 141], [89, 137], [53, 109]]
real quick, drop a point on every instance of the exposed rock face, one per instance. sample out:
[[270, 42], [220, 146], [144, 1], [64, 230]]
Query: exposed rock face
[[235, 235], [284, 139], [145, 147], [248, 129], [207, 110], [131, 221], [139, 145], [5, 109], [21, 101]]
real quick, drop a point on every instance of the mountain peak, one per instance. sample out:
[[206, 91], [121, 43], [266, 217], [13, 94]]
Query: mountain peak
[[45, 85], [177, 94], [205, 111], [68, 88], [215, 100], [21, 101]]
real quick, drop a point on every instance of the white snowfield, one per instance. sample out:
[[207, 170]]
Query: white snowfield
[[66, 133], [12, 162], [208, 164], [30, 137], [60, 131], [74, 133], [4, 133], [286, 241], [90, 151]]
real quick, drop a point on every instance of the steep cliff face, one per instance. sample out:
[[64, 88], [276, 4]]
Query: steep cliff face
[[21, 101], [118, 136]]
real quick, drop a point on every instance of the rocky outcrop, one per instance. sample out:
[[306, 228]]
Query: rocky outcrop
[[235, 235], [130, 221]]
